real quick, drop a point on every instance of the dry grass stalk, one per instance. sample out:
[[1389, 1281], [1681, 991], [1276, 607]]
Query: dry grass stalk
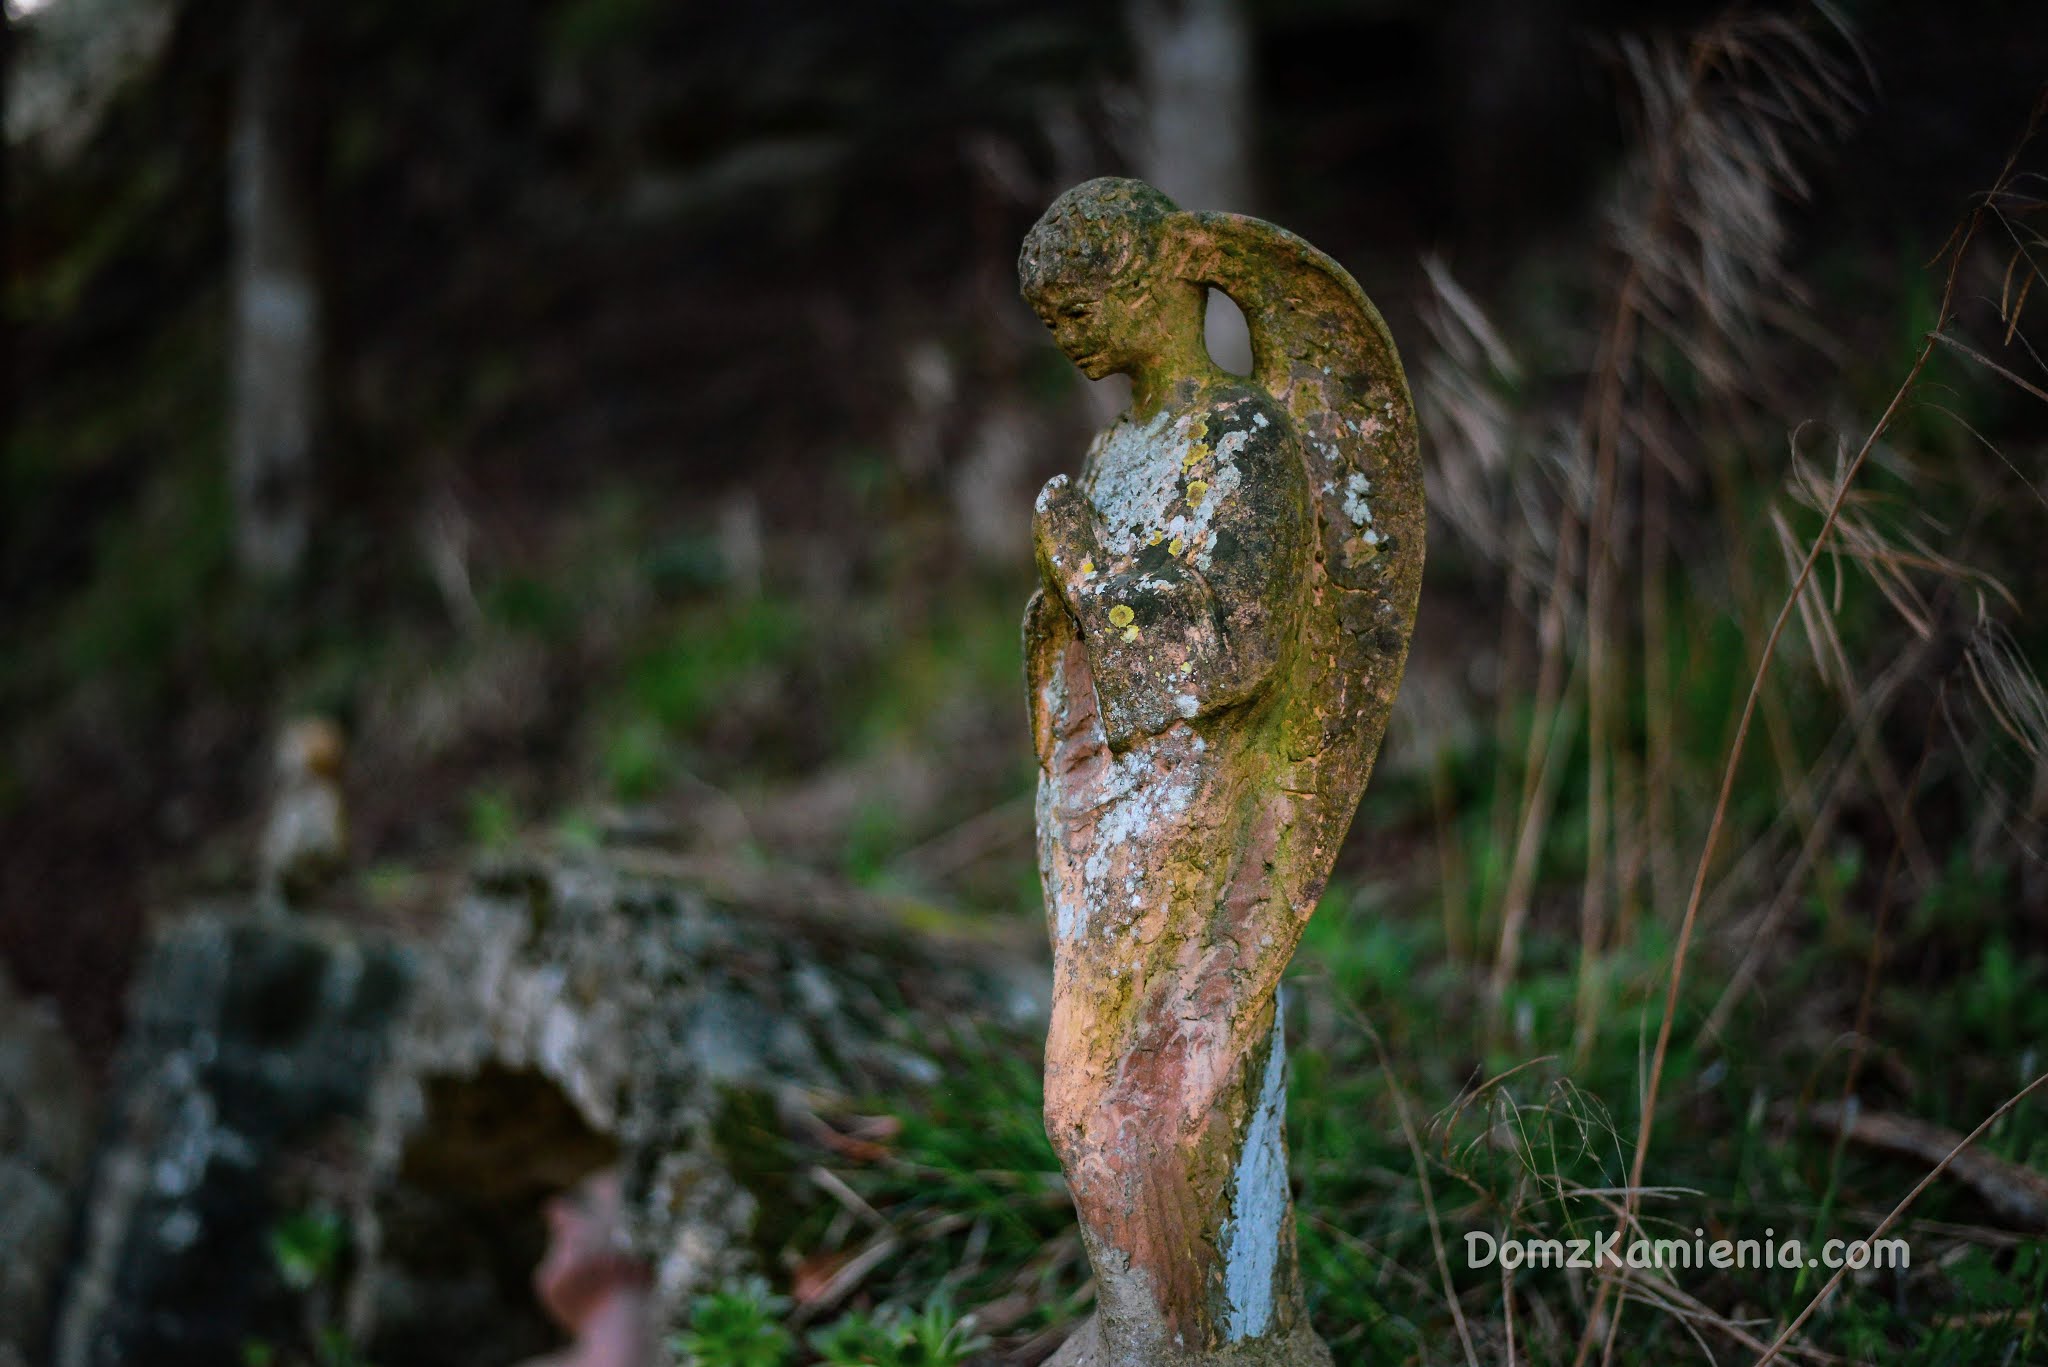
[[1549, 497], [1958, 254]]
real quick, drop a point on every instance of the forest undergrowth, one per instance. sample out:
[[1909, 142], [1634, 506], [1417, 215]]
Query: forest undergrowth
[[1700, 892]]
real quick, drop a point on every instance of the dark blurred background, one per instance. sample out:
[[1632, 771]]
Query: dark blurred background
[[612, 416], [681, 268]]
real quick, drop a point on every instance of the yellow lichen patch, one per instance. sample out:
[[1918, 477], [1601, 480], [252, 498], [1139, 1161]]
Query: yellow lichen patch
[[1155, 537], [1357, 551], [1130, 633], [1088, 569], [1175, 546], [1120, 615], [1195, 456], [1198, 489]]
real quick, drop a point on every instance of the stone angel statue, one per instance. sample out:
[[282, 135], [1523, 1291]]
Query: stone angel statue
[[1227, 594]]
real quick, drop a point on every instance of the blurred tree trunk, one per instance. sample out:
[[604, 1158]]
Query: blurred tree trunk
[[1195, 78], [277, 303]]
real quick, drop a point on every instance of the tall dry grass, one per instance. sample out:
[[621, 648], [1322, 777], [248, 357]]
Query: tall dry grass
[[1583, 485]]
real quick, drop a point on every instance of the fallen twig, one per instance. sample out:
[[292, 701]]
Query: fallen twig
[[2016, 1192]]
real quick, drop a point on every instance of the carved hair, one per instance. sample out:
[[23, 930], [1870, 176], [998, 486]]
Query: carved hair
[[1093, 234]]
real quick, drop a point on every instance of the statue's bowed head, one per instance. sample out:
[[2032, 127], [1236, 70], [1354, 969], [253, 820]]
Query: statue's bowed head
[[1089, 269]]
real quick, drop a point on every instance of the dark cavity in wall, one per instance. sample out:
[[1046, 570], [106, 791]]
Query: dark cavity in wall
[[463, 1229]]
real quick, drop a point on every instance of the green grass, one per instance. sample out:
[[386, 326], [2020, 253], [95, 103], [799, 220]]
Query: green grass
[[1508, 1156], [740, 1325], [969, 1183]]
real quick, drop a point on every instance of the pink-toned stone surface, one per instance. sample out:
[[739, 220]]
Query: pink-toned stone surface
[[591, 1282]]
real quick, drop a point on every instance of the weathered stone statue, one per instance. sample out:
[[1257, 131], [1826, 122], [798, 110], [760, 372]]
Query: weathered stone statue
[[1228, 591]]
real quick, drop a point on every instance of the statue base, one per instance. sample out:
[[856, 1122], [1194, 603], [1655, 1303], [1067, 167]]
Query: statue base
[[1298, 1349]]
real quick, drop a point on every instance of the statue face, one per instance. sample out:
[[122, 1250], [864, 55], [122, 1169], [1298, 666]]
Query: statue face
[[1101, 327]]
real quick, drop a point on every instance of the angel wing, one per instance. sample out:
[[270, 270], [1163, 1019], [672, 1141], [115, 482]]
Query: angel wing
[[1321, 349]]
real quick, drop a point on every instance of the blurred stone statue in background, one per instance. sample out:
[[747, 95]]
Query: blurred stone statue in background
[[305, 838], [592, 1283], [1228, 590]]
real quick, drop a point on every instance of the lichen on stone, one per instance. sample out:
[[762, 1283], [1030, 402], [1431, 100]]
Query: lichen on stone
[[1194, 788]]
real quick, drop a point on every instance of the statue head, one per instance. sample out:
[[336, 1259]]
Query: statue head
[[1086, 270]]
